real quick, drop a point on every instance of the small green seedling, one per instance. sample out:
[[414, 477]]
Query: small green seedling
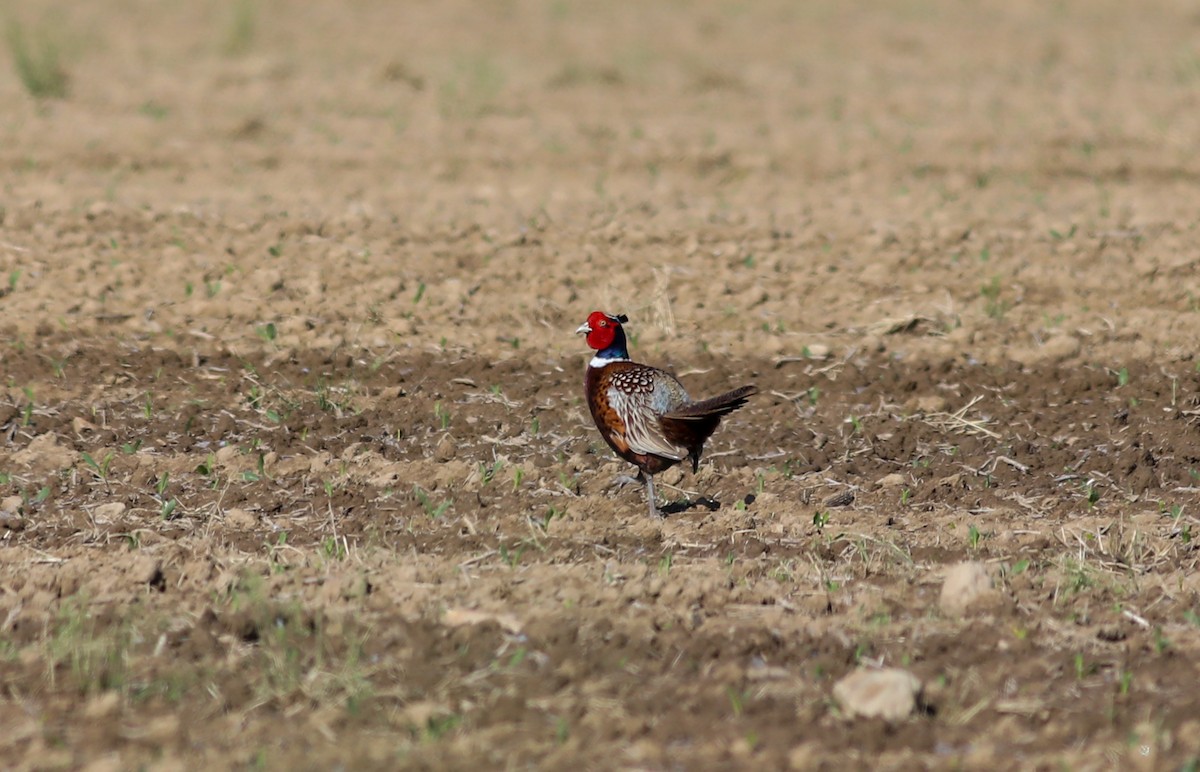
[[434, 511], [101, 468], [442, 415]]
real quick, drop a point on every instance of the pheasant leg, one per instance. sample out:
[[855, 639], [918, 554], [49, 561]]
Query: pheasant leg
[[649, 480]]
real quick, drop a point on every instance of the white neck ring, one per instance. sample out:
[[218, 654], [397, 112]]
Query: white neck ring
[[599, 361]]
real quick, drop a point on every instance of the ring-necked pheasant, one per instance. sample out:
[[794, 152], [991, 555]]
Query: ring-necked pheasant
[[643, 413]]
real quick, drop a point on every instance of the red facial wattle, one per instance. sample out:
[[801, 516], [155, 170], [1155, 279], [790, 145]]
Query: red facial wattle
[[601, 338], [602, 330]]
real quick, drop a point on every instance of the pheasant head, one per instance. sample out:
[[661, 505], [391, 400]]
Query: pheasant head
[[606, 335]]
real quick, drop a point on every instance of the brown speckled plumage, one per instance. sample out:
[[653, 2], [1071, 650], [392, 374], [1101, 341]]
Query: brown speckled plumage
[[644, 413]]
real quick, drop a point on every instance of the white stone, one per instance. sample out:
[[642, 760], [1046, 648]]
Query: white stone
[[890, 694], [107, 513], [967, 586]]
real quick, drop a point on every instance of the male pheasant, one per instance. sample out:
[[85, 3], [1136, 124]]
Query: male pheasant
[[643, 413]]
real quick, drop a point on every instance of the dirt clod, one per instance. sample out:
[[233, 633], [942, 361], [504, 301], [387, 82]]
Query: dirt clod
[[109, 512], [890, 694], [445, 449], [239, 519], [967, 587], [44, 454], [146, 570], [102, 706]]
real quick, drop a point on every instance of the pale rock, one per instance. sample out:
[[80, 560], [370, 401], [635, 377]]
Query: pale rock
[[145, 569], [460, 617], [445, 450], [741, 749], [107, 513], [890, 694], [1060, 347], [400, 326], [805, 756], [226, 454], [448, 473], [104, 705], [1055, 349], [386, 478], [890, 480], [44, 454], [818, 351], [771, 346], [11, 504], [967, 587], [320, 462], [239, 519], [952, 234], [291, 465], [955, 480], [931, 403], [419, 713]]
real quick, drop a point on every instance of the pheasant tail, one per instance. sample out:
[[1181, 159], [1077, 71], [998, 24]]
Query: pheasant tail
[[713, 407], [693, 423]]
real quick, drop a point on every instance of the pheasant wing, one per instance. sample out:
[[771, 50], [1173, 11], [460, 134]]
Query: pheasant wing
[[643, 430]]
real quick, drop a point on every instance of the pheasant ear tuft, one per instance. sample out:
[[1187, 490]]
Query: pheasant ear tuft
[[622, 318]]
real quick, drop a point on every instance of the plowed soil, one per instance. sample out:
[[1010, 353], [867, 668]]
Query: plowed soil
[[295, 466]]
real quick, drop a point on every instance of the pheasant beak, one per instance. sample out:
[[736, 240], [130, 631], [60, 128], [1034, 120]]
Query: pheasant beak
[[583, 329]]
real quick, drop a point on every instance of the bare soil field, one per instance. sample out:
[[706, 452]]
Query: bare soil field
[[295, 466]]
